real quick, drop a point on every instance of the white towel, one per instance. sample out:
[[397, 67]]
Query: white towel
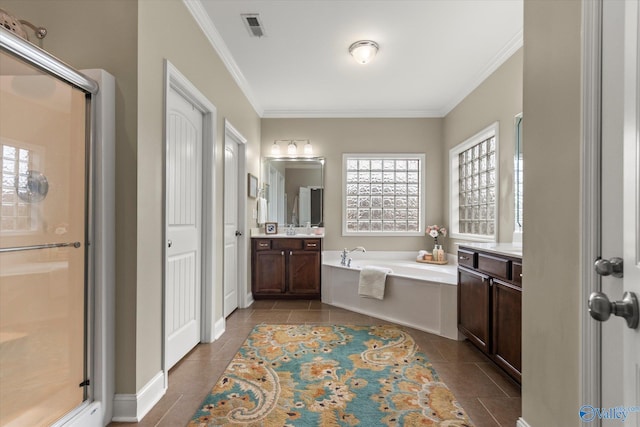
[[372, 282], [262, 210]]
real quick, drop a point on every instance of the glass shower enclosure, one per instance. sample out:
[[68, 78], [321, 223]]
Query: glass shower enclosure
[[45, 268]]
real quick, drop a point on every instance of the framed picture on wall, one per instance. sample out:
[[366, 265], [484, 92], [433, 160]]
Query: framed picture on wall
[[271, 228], [253, 186]]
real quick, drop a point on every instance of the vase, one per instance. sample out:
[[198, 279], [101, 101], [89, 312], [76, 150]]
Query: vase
[[438, 253]]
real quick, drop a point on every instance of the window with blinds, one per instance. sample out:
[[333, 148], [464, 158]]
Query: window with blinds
[[383, 194]]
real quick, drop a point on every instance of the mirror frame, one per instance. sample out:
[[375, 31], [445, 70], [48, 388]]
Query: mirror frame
[[265, 190], [517, 174]]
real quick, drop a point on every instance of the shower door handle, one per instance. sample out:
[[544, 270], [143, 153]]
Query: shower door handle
[[45, 246]]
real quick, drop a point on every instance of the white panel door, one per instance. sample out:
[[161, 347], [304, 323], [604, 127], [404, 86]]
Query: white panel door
[[304, 205], [282, 201], [231, 232], [273, 194], [184, 213], [631, 204], [621, 203]]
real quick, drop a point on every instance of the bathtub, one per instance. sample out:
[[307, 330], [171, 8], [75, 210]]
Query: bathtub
[[421, 296]]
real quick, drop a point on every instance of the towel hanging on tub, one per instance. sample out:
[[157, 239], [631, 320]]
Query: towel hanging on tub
[[372, 282]]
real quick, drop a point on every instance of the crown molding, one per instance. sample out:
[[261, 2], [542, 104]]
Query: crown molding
[[337, 114], [505, 53], [201, 16]]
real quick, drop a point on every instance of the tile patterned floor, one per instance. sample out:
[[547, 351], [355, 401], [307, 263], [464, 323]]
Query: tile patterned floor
[[489, 396]]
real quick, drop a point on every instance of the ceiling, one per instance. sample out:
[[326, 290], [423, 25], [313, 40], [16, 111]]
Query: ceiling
[[432, 53]]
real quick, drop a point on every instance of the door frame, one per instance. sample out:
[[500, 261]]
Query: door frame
[[244, 299], [591, 360], [174, 79]]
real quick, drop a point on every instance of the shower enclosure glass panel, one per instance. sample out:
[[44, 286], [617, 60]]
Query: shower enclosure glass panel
[[43, 215]]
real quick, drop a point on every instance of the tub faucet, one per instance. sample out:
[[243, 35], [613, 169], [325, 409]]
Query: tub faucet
[[345, 252]]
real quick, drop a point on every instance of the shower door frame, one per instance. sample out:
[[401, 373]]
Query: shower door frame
[[98, 392]]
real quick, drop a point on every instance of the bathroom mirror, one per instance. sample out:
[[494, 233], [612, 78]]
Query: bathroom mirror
[[518, 176], [294, 190]]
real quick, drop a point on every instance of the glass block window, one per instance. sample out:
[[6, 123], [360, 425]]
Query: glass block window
[[383, 194], [474, 188], [16, 214]]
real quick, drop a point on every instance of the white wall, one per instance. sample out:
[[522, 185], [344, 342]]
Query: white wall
[[497, 99], [194, 57], [333, 137], [551, 307]]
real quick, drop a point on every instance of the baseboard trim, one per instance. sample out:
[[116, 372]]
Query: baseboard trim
[[248, 300], [131, 408], [522, 423], [218, 328]]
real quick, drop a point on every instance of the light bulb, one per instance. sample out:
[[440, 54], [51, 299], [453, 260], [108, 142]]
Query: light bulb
[[308, 148], [292, 148], [275, 148]]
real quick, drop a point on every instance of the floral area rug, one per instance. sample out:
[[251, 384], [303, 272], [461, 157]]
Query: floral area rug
[[325, 376]]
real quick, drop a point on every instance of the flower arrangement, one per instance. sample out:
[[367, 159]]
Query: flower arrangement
[[435, 231]]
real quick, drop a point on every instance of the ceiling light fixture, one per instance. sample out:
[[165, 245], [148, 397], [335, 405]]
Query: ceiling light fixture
[[363, 51]]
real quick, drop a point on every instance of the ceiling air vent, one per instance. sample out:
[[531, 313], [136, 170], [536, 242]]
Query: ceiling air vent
[[253, 24]]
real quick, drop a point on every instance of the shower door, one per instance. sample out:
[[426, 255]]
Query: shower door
[[43, 251]]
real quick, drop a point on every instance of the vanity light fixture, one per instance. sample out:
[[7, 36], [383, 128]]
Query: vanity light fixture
[[275, 148], [363, 51], [292, 148], [308, 148]]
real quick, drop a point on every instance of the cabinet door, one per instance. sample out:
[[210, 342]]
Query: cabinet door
[[269, 272], [473, 307], [304, 272], [507, 327]]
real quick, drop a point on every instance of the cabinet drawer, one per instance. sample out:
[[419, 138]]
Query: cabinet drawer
[[289, 244], [312, 245], [262, 244], [516, 273], [466, 258], [497, 267]]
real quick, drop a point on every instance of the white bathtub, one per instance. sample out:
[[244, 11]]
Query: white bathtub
[[422, 296]]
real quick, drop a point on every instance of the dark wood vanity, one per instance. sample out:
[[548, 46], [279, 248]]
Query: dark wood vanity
[[286, 267], [490, 305]]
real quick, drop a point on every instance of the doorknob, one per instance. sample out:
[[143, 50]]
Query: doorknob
[[169, 243], [238, 233], [600, 308], [606, 267]]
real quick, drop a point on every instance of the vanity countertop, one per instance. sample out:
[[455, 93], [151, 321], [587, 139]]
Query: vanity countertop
[[301, 233], [507, 249]]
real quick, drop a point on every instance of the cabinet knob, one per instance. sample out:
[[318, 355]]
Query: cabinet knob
[[282, 253], [464, 258]]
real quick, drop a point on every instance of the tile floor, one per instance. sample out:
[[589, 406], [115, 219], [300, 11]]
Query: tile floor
[[488, 395]]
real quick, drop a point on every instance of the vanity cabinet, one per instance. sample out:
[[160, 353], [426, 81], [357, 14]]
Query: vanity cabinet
[[286, 268], [474, 296], [490, 306]]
